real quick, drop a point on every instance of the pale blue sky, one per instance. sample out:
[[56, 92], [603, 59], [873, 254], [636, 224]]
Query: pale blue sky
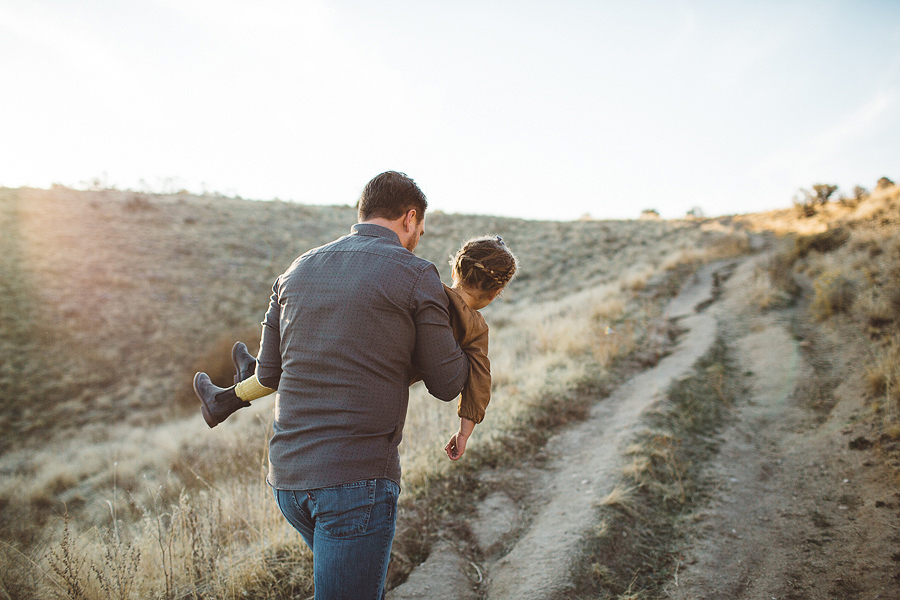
[[530, 109]]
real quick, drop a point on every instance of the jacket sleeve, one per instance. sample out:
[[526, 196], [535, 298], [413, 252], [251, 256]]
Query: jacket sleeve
[[437, 356], [477, 392], [268, 362]]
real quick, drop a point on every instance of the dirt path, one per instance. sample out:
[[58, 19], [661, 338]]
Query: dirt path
[[586, 461], [796, 514]]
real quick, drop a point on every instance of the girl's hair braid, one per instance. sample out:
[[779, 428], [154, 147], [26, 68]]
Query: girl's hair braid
[[484, 263]]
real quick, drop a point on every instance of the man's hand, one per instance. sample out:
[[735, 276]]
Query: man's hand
[[456, 447]]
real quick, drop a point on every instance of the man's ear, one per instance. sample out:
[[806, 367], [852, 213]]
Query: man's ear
[[409, 220]]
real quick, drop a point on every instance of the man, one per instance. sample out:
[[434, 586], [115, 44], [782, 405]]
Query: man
[[346, 325]]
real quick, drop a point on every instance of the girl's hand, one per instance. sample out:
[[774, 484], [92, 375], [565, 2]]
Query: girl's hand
[[456, 447], [457, 444]]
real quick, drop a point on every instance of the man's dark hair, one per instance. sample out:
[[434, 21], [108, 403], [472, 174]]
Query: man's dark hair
[[389, 196]]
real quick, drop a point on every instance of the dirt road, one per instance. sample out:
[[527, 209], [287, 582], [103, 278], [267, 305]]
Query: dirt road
[[797, 514], [803, 510]]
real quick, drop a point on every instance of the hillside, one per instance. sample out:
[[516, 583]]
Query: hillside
[[111, 300]]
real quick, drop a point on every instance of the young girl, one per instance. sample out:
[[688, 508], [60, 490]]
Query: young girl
[[481, 269]]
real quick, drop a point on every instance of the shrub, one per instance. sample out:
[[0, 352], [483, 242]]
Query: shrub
[[138, 203], [883, 183], [805, 204], [834, 293], [859, 194], [824, 242], [808, 201], [822, 192], [875, 310]]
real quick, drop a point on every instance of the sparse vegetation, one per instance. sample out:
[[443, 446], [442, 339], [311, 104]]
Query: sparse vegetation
[[883, 382], [846, 261]]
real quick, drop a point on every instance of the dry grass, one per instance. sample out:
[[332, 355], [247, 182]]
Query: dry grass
[[223, 539], [621, 497], [541, 350], [882, 376], [834, 293], [845, 262], [140, 291], [734, 243], [765, 292]]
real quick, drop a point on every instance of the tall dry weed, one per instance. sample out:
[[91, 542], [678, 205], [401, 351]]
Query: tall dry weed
[[116, 574], [196, 548]]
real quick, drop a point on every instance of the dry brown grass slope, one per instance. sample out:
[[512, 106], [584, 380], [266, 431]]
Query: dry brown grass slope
[[111, 298]]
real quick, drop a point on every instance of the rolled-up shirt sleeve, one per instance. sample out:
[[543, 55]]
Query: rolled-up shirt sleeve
[[268, 362], [437, 356]]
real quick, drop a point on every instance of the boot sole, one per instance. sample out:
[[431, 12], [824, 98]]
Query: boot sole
[[204, 409]]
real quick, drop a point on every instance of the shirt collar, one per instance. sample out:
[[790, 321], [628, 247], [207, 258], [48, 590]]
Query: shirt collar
[[372, 230]]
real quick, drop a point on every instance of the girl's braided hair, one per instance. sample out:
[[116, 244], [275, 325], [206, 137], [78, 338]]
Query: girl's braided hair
[[484, 263]]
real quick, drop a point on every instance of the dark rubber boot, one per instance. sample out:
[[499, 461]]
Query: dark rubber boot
[[244, 362], [216, 403]]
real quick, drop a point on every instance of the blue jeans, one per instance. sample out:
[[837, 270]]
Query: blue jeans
[[349, 529]]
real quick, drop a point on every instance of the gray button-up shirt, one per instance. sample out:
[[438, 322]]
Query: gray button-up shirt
[[346, 323]]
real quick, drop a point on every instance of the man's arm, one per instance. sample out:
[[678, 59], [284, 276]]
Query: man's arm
[[437, 357], [268, 362]]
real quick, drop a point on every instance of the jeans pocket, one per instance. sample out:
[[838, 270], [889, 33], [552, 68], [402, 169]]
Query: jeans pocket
[[344, 510]]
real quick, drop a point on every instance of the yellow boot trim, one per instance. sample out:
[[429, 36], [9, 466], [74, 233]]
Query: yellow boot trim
[[251, 389]]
